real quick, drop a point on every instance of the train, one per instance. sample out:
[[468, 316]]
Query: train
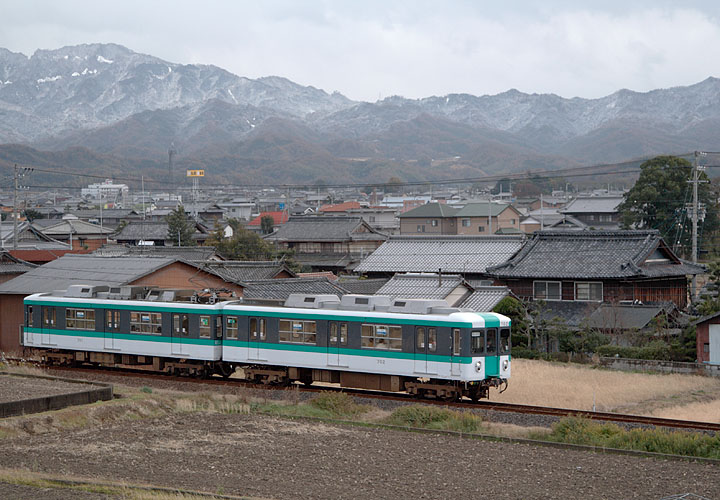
[[374, 342]]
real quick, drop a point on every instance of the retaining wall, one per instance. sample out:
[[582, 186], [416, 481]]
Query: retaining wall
[[645, 365]]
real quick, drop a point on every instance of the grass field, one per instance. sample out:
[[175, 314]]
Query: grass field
[[567, 385]]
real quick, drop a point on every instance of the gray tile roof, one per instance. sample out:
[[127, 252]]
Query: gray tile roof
[[485, 298], [315, 228], [421, 286], [143, 230], [480, 209], [593, 204], [621, 316], [192, 254], [571, 313], [280, 289], [430, 210], [452, 254], [83, 269], [593, 254], [242, 271], [362, 286], [13, 265]]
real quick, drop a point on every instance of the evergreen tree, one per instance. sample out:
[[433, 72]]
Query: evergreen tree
[[180, 227]]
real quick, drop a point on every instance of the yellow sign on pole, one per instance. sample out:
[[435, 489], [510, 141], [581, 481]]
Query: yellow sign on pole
[[196, 173]]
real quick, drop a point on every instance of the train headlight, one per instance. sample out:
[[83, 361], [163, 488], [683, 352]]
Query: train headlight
[[506, 363], [478, 366]]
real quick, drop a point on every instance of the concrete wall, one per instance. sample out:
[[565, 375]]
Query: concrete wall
[[644, 365]]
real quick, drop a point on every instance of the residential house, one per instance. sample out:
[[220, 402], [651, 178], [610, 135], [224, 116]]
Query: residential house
[[328, 243], [246, 271], [154, 233], [486, 218], [708, 339], [597, 266], [600, 212], [430, 218], [381, 218], [12, 267], [160, 272], [237, 209], [278, 218], [278, 290], [469, 256], [31, 245], [80, 235]]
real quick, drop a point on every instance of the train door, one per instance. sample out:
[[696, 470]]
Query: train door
[[492, 360], [337, 340], [112, 327], [257, 336], [48, 324], [180, 334], [455, 358], [425, 348], [28, 336]]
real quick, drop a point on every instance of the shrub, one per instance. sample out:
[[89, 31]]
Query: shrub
[[432, 417], [338, 404]]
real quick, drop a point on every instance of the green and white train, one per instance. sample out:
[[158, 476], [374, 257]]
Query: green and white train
[[373, 342]]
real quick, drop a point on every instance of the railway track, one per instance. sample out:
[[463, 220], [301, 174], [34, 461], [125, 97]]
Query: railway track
[[407, 398]]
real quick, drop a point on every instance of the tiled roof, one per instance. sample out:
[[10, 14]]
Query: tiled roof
[[485, 298], [193, 254], [144, 230], [571, 313], [593, 254], [421, 286], [340, 207], [622, 316], [242, 271], [278, 218], [480, 209], [452, 254], [62, 228], [313, 228], [362, 286], [593, 204], [281, 289], [431, 210]]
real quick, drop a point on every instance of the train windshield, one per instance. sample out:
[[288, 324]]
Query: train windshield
[[478, 342], [504, 340], [491, 341]]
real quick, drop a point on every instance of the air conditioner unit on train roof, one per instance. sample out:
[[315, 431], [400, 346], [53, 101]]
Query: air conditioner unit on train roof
[[418, 306], [312, 301], [84, 291], [355, 302]]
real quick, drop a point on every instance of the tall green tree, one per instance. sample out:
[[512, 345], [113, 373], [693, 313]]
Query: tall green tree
[[180, 227], [242, 245], [267, 223], [658, 200]]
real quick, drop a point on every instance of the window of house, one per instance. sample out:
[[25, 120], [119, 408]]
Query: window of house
[[381, 337], [481, 229], [590, 291], [605, 218], [297, 331], [434, 223], [706, 348], [512, 221], [231, 327], [79, 319], [146, 322], [465, 222], [421, 228], [257, 329], [547, 290], [372, 218], [205, 327]]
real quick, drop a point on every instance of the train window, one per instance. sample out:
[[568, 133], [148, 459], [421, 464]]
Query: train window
[[420, 338], [258, 329], [343, 333], [79, 319], [49, 317], [478, 342], [181, 324], [29, 316], [231, 327], [432, 339], [381, 337], [204, 327], [111, 319], [504, 340], [297, 331], [218, 327], [456, 341], [149, 322], [491, 341]]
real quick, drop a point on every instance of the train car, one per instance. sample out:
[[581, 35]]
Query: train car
[[375, 342], [125, 325]]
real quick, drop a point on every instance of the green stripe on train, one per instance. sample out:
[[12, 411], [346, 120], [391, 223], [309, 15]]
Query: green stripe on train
[[146, 337]]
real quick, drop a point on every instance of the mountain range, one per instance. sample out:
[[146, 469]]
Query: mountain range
[[105, 108]]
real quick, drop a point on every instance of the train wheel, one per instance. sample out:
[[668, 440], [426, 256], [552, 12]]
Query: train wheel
[[224, 369]]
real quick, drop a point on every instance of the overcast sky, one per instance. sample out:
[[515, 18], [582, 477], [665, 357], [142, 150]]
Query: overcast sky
[[370, 49]]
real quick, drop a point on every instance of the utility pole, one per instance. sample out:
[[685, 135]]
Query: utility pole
[[19, 172], [695, 211]]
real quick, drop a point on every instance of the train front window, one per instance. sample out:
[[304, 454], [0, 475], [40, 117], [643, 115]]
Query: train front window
[[29, 312], [504, 340], [477, 341], [491, 341]]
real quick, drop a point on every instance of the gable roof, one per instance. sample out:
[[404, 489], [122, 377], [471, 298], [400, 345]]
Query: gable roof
[[623, 316], [594, 254], [13, 265], [242, 271], [593, 204], [482, 209], [452, 254], [421, 286], [318, 228], [190, 254], [430, 210], [340, 207], [485, 298], [63, 227]]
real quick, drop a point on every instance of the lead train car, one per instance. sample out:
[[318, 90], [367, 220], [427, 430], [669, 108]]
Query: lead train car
[[420, 346]]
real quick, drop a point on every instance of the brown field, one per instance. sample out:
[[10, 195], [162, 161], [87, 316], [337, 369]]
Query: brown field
[[566, 385]]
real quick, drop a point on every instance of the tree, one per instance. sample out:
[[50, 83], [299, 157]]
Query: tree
[[243, 245], [180, 228], [394, 185], [32, 215], [267, 223], [658, 200]]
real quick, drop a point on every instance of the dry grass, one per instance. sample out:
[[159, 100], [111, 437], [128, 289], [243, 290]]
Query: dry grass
[[567, 385], [700, 411]]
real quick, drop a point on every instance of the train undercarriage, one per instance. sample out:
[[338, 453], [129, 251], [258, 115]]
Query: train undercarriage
[[422, 388]]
